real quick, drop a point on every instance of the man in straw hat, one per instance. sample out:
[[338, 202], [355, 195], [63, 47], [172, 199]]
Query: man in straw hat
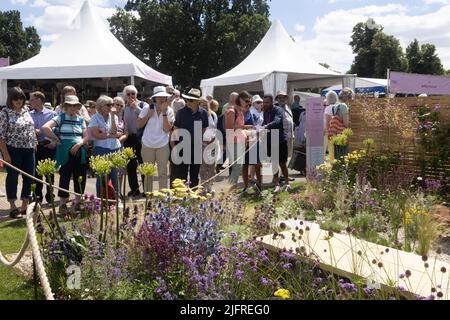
[[190, 118]]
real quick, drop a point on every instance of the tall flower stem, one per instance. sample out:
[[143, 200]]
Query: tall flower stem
[[102, 207], [55, 218], [106, 208], [117, 210]]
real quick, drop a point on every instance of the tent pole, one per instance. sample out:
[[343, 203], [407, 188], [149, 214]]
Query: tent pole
[[132, 80]]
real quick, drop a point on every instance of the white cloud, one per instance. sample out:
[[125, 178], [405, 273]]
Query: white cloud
[[299, 28], [22, 2], [333, 31], [56, 16]]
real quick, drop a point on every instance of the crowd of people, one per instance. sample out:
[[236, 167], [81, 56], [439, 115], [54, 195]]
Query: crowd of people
[[187, 136]]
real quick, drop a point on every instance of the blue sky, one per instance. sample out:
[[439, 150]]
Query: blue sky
[[322, 27]]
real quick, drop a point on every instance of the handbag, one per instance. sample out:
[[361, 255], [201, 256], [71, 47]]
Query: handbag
[[110, 189], [337, 125]]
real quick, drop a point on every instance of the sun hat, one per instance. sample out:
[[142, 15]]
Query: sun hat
[[170, 89], [193, 94], [160, 92], [72, 100], [257, 98], [281, 93]]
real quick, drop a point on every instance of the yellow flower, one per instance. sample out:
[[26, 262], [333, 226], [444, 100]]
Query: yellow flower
[[283, 294], [408, 219], [168, 191]]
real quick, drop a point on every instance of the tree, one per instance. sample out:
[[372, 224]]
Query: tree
[[388, 55], [362, 38], [16, 42], [423, 59], [191, 39]]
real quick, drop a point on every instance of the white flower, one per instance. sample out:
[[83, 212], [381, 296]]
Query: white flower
[[419, 179]]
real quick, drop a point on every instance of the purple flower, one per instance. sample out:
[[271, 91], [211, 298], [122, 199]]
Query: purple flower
[[265, 281], [239, 274], [287, 266]]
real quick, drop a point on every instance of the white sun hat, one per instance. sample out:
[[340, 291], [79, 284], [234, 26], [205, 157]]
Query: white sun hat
[[160, 92]]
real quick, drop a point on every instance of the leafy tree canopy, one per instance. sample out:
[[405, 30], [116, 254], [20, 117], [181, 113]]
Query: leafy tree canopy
[[17, 42], [191, 39]]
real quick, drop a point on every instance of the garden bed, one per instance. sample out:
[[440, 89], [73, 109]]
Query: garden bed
[[352, 258]]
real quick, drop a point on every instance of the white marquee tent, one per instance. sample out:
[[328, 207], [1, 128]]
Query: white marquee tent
[[87, 50], [364, 85], [277, 63]]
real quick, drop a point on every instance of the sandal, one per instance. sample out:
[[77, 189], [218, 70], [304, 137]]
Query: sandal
[[15, 214]]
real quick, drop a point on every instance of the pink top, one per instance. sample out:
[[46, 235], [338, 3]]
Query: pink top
[[240, 135]]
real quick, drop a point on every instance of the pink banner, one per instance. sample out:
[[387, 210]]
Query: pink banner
[[409, 83], [4, 62], [315, 152]]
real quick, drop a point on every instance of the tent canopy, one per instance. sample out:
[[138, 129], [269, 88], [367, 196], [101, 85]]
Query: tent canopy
[[279, 57], [87, 50], [363, 85]]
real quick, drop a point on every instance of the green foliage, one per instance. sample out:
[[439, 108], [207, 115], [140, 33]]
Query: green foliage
[[423, 59], [16, 42], [388, 55], [191, 40], [375, 51]]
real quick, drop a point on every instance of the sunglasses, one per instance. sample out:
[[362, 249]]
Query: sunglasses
[[259, 102], [118, 105], [109, 105], [248, 101], [18, 99], [131, 94]]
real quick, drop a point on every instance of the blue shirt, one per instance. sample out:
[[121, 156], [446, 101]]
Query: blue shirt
[[40, 118], [273, 120], [71, 128], [185, 119], [98, 121], [248, 119]]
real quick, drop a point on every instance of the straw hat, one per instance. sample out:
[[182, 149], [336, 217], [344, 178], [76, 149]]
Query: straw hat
[[281, 93], [193, 94], [72, 100], [257, 98]]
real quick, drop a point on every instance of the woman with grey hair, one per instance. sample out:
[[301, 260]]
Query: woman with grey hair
[[103, 127], [131, 112], [338, 120]]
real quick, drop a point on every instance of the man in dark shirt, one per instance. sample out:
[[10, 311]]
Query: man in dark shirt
[[45, 149], [189, 118], [273, 120]]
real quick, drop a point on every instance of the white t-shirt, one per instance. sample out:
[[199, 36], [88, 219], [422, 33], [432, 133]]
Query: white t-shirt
[[154, 135], [211, 131]]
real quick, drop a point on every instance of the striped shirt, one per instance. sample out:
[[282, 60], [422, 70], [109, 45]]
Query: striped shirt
[[71, 129]]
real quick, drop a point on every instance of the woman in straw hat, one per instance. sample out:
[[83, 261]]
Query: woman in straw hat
[[71, 137]]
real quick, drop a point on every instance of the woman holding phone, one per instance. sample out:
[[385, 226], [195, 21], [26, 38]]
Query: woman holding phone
[[157, 121]]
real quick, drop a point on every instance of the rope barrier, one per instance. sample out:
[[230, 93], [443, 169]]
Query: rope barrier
[[48, 184], [31, 239], [224, 170], [32, 211]]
